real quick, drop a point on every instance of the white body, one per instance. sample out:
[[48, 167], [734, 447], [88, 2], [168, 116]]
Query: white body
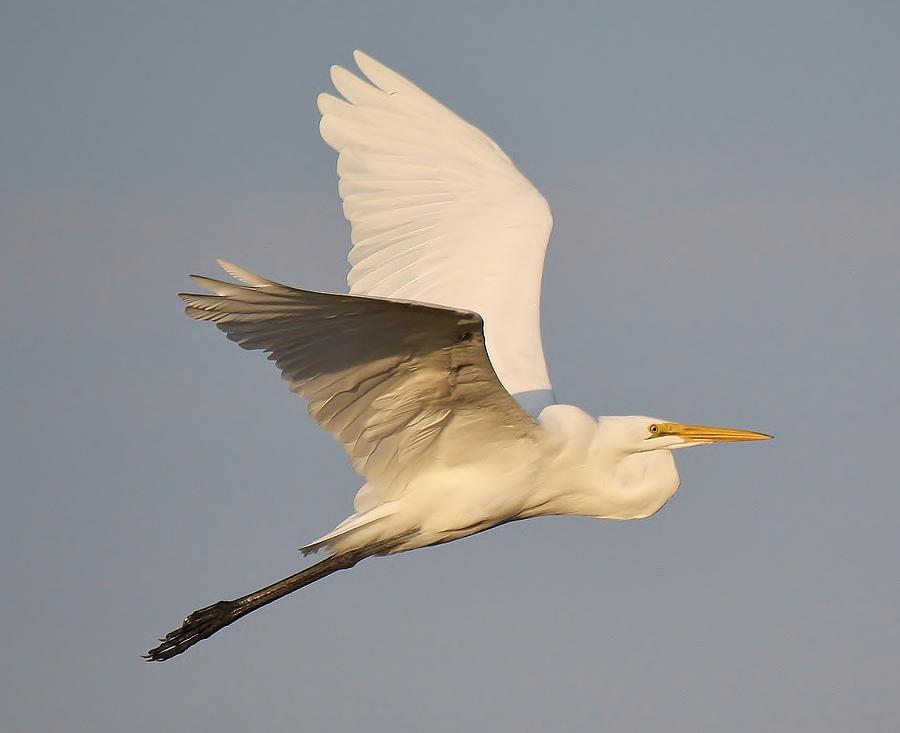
[[567, 470], [573, 465]]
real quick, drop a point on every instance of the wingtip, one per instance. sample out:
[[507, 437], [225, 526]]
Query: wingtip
[[367, 63], [249, 278], [241, 274], [324, 102]]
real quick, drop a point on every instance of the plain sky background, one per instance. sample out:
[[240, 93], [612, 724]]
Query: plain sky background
[[725, 180]]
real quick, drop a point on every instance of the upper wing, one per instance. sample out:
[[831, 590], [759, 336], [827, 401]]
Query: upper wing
[[439, 214], [387, 378]]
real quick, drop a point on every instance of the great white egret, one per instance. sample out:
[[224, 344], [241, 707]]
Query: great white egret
[[431, 372]]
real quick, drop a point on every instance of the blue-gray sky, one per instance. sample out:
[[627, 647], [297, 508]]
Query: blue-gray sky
[[725, 180]]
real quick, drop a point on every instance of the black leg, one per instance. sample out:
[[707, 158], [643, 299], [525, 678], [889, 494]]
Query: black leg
[[207, 621]]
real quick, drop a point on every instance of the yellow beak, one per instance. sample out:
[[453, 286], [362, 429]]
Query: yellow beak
[[709, 433]]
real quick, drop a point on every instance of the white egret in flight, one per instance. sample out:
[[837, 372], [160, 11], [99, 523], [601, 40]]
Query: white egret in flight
[[430, 372]]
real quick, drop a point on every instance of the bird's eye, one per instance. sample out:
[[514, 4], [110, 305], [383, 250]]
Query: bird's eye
[[654, 429]]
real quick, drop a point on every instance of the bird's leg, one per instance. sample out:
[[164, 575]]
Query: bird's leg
[[205, 622]]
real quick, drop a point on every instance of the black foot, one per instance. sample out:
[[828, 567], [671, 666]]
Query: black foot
[[197, 626]]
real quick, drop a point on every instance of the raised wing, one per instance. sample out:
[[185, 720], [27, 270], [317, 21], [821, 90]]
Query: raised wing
[[441, 215], [386, 378]]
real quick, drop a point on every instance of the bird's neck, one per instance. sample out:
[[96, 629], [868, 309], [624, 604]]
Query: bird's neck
[[583, 476], [635, 486]]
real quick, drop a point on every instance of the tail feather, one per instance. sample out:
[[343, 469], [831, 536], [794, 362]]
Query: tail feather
[[350, 526]]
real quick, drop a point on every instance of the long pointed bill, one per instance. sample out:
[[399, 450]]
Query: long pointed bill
[[710, 433]]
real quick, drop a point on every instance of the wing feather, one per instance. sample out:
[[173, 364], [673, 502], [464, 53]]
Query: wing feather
[[439, 214], [387, 378]]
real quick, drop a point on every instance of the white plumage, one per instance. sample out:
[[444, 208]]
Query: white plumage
[[439, 214], [417, 371]]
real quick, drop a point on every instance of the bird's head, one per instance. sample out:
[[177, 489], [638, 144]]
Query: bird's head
[[638, 434], [635, 466]]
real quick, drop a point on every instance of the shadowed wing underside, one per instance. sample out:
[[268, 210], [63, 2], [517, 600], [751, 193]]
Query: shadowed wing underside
[[387, 378]]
